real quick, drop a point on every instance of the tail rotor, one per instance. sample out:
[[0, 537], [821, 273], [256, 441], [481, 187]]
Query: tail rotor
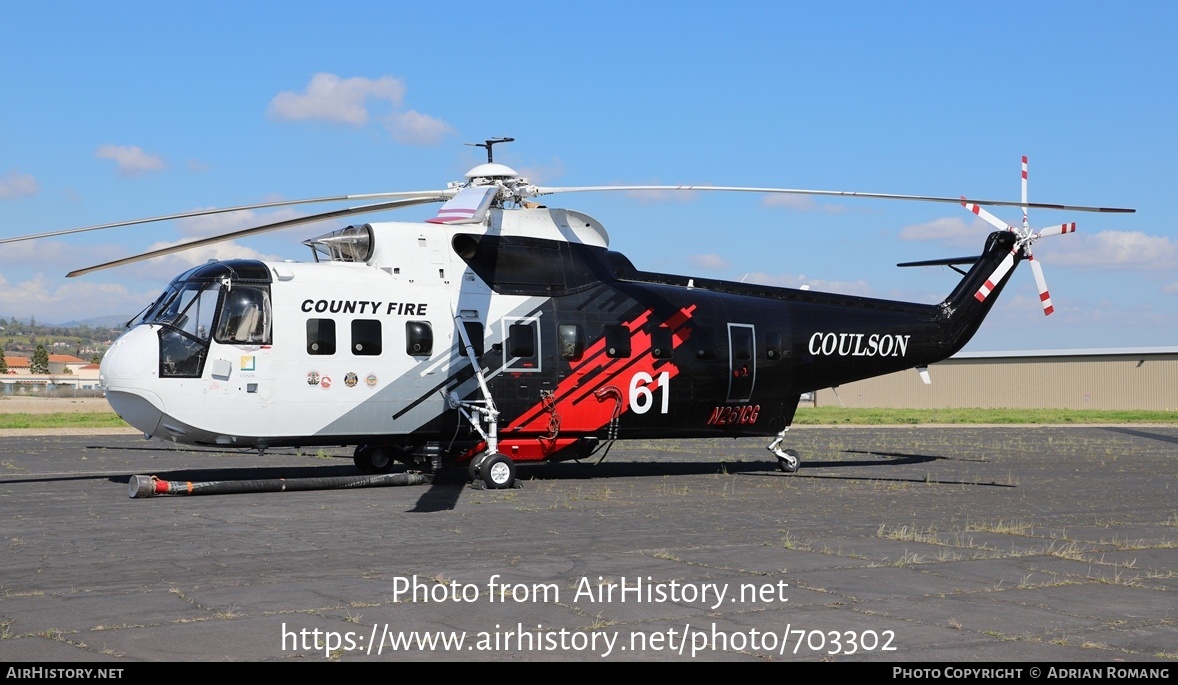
[[1026, 238]]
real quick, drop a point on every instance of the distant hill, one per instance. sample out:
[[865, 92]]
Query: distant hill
[[111, 321], [96, 322]]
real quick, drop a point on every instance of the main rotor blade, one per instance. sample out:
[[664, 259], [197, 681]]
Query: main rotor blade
[[838, 193], [206, 212], [362, 209], [1026, 224]]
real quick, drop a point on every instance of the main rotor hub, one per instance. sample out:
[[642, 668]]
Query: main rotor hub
[[492, 171]]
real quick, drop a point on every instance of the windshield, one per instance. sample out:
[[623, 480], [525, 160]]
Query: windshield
[[188, 306]]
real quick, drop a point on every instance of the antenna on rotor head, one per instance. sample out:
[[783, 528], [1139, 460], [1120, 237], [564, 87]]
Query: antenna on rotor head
[[488, 144]]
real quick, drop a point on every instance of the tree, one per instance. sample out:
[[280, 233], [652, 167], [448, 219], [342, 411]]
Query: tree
[[40, 362], [3, 364]]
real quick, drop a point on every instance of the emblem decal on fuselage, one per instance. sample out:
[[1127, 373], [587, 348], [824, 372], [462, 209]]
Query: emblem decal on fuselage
[[858, 345]]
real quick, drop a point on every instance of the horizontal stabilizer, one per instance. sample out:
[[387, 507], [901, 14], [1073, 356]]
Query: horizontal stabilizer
[[949, 261]]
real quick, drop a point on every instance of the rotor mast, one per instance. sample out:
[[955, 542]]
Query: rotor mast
[[489, 144]]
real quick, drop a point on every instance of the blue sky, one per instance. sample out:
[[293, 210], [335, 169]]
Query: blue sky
[[119, 110]]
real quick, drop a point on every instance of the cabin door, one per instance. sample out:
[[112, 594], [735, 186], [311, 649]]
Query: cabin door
[[742, 362]]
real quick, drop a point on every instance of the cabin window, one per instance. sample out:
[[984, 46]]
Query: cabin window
[[320, 336], [245, 316], [521, 341], [366, 337], [572, 341], [474, 332], [661, 343], [741, 338], [419, 338], [617, 340]]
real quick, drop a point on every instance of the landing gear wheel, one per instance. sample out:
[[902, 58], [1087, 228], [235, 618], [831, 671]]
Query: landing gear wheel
[[372, 459], [497, 472], [789, 462]]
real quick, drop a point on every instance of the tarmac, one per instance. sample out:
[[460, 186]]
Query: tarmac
[[958, 545]]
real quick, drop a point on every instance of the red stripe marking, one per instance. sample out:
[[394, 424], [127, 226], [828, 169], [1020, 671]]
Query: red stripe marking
[[580, 411]]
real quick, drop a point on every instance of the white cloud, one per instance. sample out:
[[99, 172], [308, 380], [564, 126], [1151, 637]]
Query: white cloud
[[54, 301], [1171, 288], [216, 224], [949, 231], [711, 262], [803, 203], [415, 128], [1114, 250], [542, 173], [130, 159], [224, 250], [331, 98], [16, 184], [53, 255]]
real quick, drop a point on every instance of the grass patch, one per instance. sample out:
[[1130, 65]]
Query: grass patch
[[63, 420], [842, 415]]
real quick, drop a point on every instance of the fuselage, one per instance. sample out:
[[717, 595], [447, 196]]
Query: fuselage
[[576, 345]]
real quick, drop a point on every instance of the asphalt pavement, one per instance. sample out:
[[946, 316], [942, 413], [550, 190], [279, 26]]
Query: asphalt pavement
[[967, 545]]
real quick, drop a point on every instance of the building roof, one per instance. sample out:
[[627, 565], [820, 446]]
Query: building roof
[[1078, 352], [18, 362], [66, 359]]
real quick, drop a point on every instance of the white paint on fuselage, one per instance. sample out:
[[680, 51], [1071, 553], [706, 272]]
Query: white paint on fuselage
[[283, 391]]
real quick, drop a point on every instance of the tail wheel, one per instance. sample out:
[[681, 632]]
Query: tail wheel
[[497, 472], [790, 461], [372, 459]]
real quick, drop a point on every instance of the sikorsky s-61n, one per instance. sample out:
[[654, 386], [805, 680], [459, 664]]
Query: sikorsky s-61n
[[502, 331]]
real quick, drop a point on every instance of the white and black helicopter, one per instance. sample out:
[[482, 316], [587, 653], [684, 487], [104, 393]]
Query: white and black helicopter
[[503, 331]]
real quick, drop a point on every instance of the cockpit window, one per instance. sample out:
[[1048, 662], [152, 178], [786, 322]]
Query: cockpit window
[[245, 317], [188, 307]]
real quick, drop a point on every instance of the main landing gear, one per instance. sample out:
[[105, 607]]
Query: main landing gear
[[496, 471], [372, 459], [787, 460]]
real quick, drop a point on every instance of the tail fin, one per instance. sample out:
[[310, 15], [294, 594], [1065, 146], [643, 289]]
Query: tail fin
[[962, 312]]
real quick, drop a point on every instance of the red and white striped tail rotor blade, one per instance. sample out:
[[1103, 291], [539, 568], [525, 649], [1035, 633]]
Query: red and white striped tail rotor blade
[[1041, 283], [981, 211], [995, 278], [1057, 230]]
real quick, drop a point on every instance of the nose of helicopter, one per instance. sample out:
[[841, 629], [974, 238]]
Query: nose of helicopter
[[127, 369]]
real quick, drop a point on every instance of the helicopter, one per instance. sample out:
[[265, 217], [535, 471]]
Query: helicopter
[[502, 331]]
